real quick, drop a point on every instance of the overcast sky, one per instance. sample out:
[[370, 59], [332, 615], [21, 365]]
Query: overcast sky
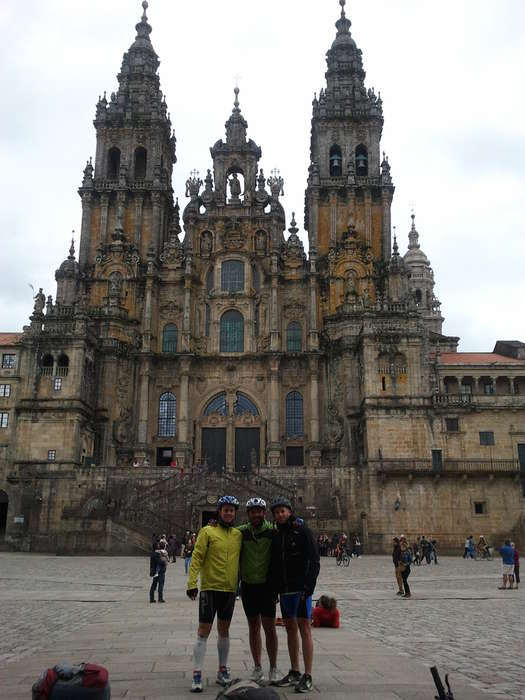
[[450, 74]]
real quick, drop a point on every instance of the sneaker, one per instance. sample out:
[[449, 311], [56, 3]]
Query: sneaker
[[257, 674], [223, 676], [274, 676], [291, 678], [196, 685], [399, 593], [407, 595], [305, 685]]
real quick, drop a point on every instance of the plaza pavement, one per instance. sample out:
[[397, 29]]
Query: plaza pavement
[[95, 609]]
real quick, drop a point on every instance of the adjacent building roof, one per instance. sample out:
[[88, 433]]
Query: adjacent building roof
[[477, 358], [10, 338]]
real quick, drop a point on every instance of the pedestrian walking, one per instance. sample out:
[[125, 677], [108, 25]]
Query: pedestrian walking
[[396, 559], [507, 565], [406, 560], [187, 554], [215, 561], [293, 574], [516, 565]]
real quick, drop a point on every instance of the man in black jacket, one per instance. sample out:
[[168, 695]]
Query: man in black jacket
[[294, 569]]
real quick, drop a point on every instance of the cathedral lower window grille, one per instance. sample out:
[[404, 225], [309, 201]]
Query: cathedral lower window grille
[[232, 332], [294, 415], [8, 361], [4, 419], [5, 390], [232, 276], [167, 415], [294, 337], [170, 338]]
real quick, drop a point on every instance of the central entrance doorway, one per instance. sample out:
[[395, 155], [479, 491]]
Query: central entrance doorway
[[231, 432], [214, 448]]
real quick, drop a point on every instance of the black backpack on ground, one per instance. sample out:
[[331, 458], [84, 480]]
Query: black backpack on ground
[[247, 690]]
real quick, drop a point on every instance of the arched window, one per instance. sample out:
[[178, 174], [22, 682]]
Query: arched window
[[294, 337], [170, 338], [361, 160], [46, 365], [232, 276], [141, 161], [207, 321], [209, 281], [217, 405], [294, 414], [244, 405], [336, 161], [113, 163], [167, 415], [62, 365], [232, 332]]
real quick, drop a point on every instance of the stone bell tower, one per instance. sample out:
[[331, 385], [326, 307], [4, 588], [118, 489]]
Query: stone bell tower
[[127, 196], [349, 186]]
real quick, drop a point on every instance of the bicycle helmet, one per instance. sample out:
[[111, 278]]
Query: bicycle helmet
[[256, 502], [281, 501], [227, 501]]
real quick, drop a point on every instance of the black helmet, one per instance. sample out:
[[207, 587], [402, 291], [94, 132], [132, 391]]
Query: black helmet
[[281, 501]]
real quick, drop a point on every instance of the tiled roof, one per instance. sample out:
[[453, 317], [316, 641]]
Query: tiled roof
[[10, 338], [477, 358]]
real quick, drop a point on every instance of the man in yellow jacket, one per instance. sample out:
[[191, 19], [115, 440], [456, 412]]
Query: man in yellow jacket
[[216, 560]]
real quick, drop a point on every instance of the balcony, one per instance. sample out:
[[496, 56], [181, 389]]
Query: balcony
[[479, 400], [421, 467]]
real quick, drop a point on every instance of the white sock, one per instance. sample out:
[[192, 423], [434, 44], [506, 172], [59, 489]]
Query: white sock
[[199, 652], [223, 647]]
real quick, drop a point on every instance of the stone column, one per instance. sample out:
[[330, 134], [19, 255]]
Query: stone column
[[274, 444], [275, 314], [386, 201], [313, 333], [333, 220], [186, 322], [314, 400], [155, 226], [368, 217], [183, 409], [139, 204], [314, 221], [104, 206], [85, 231], [144, 374]]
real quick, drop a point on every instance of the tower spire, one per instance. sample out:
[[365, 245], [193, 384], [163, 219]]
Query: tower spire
[[343, 24], [413, 236]]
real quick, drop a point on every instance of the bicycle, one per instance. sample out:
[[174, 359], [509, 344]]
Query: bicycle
[[342, 559]]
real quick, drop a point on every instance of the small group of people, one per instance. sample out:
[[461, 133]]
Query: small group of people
[[424, 551], [482, 550], [510, 566], [338, 543], [274, 561], [402, 558]]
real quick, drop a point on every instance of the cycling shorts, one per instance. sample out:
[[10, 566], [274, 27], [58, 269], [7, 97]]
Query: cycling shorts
[[257, 600], [218, 603], [294, 605]]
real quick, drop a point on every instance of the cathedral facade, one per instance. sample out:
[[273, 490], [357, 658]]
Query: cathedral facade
[[189, 352]]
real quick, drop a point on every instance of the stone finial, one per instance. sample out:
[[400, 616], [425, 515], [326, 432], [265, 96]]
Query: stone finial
[[143, 28], [276, 184], [72, 247], [193, 184], [293, 225], [236, 102], [413, 236], [343, 24]]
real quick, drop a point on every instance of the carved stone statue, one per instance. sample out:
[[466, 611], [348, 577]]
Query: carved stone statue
[[40, 302], [235, 187], [206, 244]]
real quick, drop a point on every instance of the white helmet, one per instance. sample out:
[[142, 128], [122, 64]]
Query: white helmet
[[256, 502]]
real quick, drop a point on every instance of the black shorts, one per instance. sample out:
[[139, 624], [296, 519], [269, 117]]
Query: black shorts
[[218, 603], [257, 599]]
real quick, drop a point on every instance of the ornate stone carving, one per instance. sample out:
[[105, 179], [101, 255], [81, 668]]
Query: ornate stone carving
[[206, 244], [122, 427], [335, 429], [294, 311]]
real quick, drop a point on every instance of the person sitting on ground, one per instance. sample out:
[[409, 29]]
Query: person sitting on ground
[[507, 565], [326, 613]]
